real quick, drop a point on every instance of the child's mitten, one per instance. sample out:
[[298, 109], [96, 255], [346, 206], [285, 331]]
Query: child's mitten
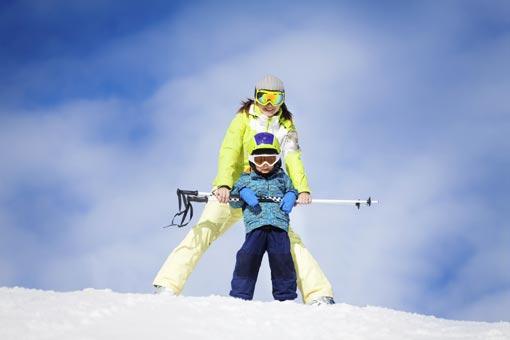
[[288, 202], [249, 197]]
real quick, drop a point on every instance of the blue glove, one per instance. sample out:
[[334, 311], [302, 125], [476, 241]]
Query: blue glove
[[288, 202], [249, 197]]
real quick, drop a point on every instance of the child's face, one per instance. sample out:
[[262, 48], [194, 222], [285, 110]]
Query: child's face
[[264, 168], [264, 163]]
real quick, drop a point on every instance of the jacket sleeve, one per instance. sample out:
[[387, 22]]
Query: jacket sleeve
[[293, 163], [289, 186], [241, 183], [230, 152]]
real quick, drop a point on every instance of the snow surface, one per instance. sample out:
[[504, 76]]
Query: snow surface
[[103, 314]]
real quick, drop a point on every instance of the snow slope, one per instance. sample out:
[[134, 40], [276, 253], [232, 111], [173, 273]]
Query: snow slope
[[103, 314]]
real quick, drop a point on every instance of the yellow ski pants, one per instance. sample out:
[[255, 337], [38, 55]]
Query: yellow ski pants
[[215, 220]]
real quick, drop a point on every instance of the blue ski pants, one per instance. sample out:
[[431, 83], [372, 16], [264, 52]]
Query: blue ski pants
[[283, 275]]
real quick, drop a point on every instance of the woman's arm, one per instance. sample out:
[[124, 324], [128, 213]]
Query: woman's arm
[[293, 163], [230, 155]]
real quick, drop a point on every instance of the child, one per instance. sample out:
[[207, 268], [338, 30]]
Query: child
[[266, 223]]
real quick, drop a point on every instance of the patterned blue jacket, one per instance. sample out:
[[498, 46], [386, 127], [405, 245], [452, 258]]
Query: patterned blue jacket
[[277, 184]]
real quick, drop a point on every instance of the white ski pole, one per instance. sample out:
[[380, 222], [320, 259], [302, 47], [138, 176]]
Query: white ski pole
[[185, 198], [356, 203]]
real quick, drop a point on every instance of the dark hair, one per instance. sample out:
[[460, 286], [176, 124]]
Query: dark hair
[[245, 106], [266, 151]]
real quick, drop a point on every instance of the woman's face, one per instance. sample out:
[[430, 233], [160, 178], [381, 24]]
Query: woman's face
[[268, 110]]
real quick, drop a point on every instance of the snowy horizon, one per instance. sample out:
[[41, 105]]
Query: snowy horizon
[[107, 109], [103, 314]]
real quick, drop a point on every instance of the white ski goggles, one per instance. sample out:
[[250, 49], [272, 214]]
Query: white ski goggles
[[259, 160]]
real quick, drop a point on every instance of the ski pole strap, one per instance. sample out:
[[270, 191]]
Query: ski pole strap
[[185, 197]]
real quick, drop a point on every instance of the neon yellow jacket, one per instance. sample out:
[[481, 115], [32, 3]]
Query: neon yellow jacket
[[233, 157]]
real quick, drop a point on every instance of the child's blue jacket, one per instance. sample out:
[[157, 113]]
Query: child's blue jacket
[[277, 184]]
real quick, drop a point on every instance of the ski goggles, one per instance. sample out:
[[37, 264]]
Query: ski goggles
[[259, 160], [264, 97]]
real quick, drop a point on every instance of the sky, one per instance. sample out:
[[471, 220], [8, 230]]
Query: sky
[[106, 108]]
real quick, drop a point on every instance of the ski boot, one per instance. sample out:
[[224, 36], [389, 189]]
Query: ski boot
[[160, 290], [323, 300]]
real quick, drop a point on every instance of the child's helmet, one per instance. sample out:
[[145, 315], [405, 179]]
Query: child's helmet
[[264, 142]]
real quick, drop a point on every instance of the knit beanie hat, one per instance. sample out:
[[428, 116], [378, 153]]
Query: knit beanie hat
[[270, 82]]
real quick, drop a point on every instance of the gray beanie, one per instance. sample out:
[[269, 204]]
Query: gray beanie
[[270, 82]]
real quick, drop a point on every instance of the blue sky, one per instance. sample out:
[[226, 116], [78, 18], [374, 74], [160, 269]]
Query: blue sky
[[107, 107]]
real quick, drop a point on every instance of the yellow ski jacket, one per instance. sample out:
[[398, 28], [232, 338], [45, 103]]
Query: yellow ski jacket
[[233, 157]]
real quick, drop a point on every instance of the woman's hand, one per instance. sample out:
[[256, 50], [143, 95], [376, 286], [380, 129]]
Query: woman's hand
[[222, 194], [304, 198]]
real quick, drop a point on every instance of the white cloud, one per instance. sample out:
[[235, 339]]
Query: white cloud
[[350, 92]]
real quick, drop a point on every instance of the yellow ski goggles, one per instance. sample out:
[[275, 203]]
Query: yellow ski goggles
[[264, 97]]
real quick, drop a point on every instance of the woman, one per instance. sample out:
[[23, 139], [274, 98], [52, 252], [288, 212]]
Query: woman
[[266, 113]]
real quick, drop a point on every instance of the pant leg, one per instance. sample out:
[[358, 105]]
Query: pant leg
[[283, 274], [247, 267], [214, 221], [311, 280]]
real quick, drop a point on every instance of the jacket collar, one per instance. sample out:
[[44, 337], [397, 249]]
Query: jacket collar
[[254, 175], [255, 112]]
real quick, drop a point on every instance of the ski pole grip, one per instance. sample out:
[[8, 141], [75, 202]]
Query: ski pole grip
[[187, 192], [201, 199]]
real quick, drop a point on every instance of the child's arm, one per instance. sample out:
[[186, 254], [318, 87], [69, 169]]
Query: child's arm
[[241, 183], [289, 199], [289, 187]]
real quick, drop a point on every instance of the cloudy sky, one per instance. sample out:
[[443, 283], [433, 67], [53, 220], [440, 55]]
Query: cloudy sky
[[107, 107]]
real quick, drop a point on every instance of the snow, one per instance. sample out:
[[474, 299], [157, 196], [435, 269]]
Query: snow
[[103, 314]]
